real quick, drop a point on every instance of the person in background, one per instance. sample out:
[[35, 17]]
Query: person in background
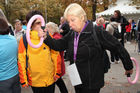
[[110, 28], [117, 17], [133, 32], [64, 29], [86, 47], [62, 21], [9, 75], [128, 31], [64, 26], [43, 65], [138, 34], [54, 30], [24, 23], [19, 31], [100, 22], [10, 26]]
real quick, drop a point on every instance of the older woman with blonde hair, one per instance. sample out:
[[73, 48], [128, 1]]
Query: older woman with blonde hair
[[86, 44]]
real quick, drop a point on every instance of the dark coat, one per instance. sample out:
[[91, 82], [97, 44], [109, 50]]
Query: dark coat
[[89, 60], [123, 22], [65, 27]]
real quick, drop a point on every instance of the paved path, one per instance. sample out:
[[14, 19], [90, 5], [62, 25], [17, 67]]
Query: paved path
[[115, 79]]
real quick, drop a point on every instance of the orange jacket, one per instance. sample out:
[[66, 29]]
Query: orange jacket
[[43, 63]]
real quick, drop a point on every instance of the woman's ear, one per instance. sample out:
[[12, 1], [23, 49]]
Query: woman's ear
[[82, 18]]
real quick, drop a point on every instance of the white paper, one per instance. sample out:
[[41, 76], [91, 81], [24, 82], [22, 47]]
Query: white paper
[[74, 75], [119, 28]]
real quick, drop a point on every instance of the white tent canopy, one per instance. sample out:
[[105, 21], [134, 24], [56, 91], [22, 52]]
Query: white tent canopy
[[123, 6]]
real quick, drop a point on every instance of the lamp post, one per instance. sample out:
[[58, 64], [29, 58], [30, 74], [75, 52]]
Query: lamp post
[[94, 5], [6, 9], [45, 12], [6, 2]]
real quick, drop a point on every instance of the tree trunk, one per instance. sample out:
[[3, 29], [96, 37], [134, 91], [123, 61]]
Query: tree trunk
[[94, 5]]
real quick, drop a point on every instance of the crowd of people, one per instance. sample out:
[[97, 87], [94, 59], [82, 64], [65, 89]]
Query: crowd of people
[[77, 39]]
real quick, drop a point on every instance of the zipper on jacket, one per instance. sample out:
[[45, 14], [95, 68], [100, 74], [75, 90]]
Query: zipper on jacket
[[89, 66]]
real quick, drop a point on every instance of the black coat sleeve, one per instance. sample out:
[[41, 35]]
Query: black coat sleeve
[[65, 27], [124, 22], [110, 43], [59, 44]]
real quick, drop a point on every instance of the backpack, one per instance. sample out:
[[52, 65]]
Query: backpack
[[138, 25], [116, 33], [26, 47]]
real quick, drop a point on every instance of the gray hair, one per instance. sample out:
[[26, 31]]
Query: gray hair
[[53, 26], [17, 20]]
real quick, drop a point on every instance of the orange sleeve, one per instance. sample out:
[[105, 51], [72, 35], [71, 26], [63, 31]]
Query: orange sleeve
[[22, 63], [56, 58]]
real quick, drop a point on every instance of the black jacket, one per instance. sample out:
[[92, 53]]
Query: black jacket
[[90, 53], [65, 27], [121, 20]]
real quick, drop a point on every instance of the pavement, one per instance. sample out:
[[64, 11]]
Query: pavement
[[115, 80]]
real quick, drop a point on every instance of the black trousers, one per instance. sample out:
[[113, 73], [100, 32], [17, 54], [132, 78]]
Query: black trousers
[[128, 36], [11, 85], [49, 89], [61, 85], [122, 39], [114, 57], [84, 90]]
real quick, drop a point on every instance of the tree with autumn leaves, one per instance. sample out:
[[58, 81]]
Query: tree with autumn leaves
[[52, 9]]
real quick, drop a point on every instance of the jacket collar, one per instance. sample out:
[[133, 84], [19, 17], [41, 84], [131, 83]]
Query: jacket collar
[[88, 28], [34, 35]]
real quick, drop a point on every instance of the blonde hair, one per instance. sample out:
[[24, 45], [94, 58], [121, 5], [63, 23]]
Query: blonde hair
[[53, 26], [75, 10]]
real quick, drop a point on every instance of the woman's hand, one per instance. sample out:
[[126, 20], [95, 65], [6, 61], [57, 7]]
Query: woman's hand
[[129, 72], [61, 31], [55, 78], [42, 34], [25, 86]]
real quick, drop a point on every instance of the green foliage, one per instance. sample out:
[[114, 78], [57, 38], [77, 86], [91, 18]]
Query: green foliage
[[54, 10]]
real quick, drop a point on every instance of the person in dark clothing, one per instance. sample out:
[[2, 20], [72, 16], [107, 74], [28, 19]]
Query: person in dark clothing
[[133, 32], [138, 34], [123, 22], [64, 29], [10, 30], [85, 50]]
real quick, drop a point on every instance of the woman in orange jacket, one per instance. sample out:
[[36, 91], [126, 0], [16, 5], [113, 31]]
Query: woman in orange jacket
[[44, 64]]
